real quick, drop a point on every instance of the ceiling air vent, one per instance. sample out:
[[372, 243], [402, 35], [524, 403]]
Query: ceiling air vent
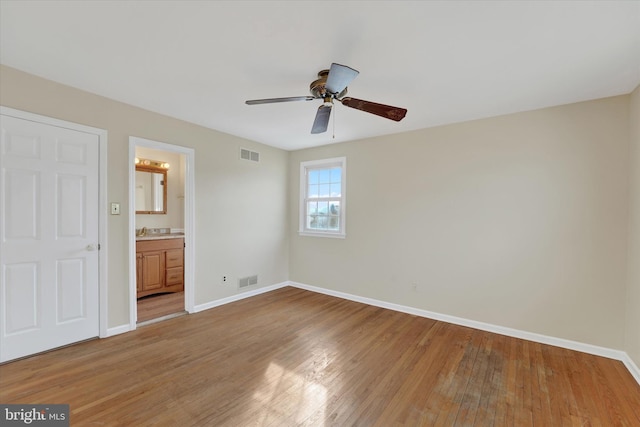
[[252, 156]]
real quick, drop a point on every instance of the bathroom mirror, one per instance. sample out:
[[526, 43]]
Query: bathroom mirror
[[151, 190]]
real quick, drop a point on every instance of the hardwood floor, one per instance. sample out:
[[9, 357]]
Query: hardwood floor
[[156, 306], [293, 357]]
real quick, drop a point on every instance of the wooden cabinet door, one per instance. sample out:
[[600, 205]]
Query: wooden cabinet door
[[152, 270]]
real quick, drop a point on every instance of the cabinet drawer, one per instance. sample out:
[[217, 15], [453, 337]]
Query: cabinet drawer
[[158, 245], [174, 276], [174, 258]]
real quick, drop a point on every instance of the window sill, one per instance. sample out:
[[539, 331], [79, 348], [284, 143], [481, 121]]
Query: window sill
[[321, 234]]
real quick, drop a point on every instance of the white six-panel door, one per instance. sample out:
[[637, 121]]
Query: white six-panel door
[[48, 237]]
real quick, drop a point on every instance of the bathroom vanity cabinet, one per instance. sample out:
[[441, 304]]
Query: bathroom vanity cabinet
[[159, 266]]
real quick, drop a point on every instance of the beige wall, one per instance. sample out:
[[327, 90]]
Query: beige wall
[[241, 212], [519, 221], [633, 280], [528, 220]]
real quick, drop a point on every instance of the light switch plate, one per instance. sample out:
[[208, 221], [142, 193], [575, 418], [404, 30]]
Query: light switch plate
[[115, 208]]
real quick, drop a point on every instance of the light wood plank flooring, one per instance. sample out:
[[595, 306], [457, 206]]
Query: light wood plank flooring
[[292, 357], [156, 306]]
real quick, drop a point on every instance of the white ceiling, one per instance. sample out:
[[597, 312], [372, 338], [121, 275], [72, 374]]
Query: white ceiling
[[444, 61]]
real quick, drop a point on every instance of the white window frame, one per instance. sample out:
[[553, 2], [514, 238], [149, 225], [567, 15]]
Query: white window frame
[[323, 164]]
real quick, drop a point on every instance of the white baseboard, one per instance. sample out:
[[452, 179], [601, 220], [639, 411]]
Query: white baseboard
[[117, 330], [530, 336], [238, 297], [632, 367]]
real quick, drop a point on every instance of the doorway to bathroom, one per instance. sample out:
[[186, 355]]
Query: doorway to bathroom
[[161, 230]]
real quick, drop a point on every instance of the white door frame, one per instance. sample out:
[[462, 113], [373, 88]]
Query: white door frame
[[189, 223], [102, 200]]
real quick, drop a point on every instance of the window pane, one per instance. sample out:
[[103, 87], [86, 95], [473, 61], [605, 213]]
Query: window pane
[[325, 176], [336, 174], [313, 176], [324, 190], [313, 192], [312, 213], [323, 208], [316, 221], [336, 190], [333, 222], [317, 215]]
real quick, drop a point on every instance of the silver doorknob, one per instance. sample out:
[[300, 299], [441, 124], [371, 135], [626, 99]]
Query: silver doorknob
[[91, 248]]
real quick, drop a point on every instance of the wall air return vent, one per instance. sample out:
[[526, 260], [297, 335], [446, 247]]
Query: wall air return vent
[[252, 156], [247, 281]]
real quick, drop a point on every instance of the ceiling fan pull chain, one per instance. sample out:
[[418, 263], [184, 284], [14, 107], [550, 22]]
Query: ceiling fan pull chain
[[334, 123]]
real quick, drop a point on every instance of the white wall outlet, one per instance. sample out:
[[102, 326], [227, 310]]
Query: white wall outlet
[[224, 280], [115, 208]]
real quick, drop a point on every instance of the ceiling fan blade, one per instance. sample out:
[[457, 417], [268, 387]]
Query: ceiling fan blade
[[339, 78], [274, 100], [386, 111], [322, 119]]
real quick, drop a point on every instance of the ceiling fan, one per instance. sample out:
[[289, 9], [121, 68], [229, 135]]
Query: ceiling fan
[[332, 85]]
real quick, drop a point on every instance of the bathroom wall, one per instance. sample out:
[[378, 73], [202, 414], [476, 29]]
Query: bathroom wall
[[174, 218]]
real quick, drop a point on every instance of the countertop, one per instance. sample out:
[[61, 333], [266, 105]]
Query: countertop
[[160, 236]]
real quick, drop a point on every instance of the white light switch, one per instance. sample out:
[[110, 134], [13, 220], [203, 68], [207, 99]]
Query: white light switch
[[115, 208]]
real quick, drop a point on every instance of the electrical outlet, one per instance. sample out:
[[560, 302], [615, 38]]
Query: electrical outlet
[[224, 280], [115, 208]]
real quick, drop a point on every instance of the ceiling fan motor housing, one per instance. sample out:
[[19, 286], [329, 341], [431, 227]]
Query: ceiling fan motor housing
[[318, 87]]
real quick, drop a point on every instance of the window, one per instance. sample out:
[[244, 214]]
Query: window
[[322, 197]]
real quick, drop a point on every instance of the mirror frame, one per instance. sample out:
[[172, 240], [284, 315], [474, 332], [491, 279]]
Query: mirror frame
[[163, 171]]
